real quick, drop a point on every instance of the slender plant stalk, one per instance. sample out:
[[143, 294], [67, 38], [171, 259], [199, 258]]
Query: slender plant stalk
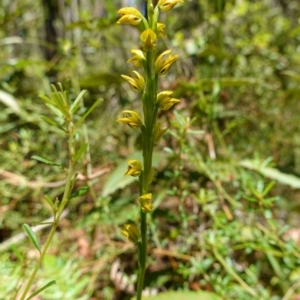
[[151, 131], [66, 196], [59, 103]]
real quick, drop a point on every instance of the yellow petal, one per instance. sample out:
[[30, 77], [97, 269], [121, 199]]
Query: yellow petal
[[129, 20], [130, 11]]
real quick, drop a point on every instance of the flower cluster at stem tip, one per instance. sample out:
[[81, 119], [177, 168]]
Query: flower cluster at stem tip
[[154, 66]]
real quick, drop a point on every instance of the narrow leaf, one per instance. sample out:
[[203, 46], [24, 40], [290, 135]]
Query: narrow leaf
[[88, 112], [272, 173], [268, 188], [10, 101], [53, 123], [80, 192], [47, 100], [80, 151], [60, 102], [41, 289], [55, 110], [292, 74], [44, 160], [49, 200], [43, 223], [49, 121], [75, 104], [32, 236]]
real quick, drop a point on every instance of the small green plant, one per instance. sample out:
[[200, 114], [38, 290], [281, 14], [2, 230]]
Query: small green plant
[[154, 66], [66, 120]]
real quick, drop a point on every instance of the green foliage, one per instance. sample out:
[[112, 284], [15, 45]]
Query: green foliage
[[184, 296], [226, 208]]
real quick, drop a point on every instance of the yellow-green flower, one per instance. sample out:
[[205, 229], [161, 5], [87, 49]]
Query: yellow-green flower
[[134, 168], [130, 16], [138, 57], [166, 5], [148, 37], [136, 83], [164, 62], [160, 30], [131, 118], [158, 132], [146, 203], [131, 231], [165, 101]]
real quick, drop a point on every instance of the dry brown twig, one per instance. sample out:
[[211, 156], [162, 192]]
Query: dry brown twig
[[18, 180]]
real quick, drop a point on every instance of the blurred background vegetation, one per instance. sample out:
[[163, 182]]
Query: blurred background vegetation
[[226, 187]]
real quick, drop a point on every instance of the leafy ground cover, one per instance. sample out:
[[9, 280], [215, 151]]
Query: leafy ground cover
[[226, 217]]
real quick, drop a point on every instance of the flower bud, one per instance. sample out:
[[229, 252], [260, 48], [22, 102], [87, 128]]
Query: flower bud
[[146, 203], [138, 58], [131, 231], [130, 11], [134, 168], [131, 118], [129, 16], [158, 132], [160, 30], [148, 37], [166, 5], [136, 83], [164, 62]]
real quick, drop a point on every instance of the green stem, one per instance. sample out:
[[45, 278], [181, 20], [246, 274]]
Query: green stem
[[66, 196], [142, 255], [230, 271], [150, 113]]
